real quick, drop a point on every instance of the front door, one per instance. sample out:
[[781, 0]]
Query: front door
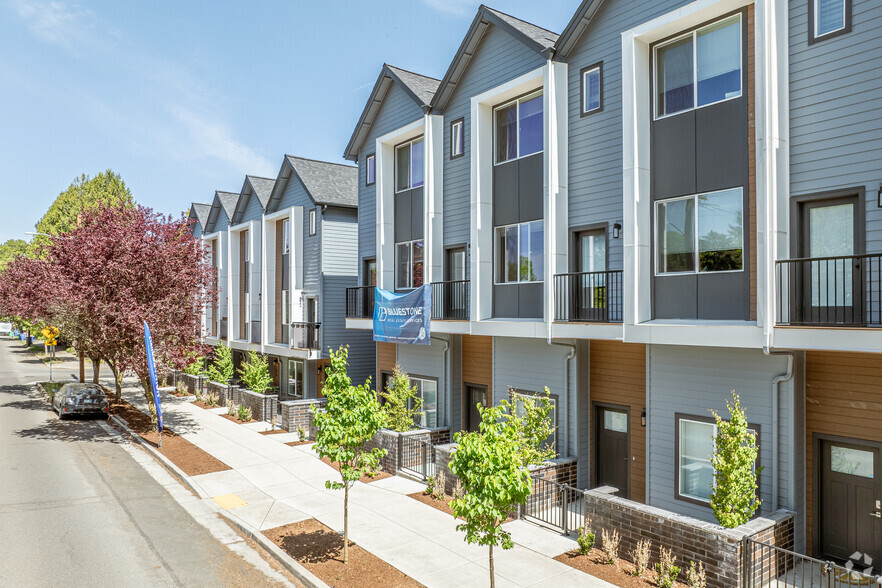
[[455, 290], [829, 280], [589, 287], [611, 463], [475, 395], [850, 502]]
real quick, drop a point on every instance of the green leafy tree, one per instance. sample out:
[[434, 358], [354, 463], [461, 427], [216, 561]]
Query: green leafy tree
[[529, 418], [733, 497], [351, 417], [10, 250], [490, 466], [402, 402], [196, 366], [221, 369], [255, 373]]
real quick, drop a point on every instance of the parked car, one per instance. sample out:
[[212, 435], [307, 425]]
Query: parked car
[[5, 328], [86, 399]]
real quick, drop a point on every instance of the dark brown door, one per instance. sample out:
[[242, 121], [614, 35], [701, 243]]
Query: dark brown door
[[849, 502], [475, 395], [588, 293], [611, 450]]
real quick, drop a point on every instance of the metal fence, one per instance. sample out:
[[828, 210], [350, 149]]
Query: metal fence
[[588, 297], [450, 300], [360, 302], [556, 505], [305, 335], [768, 566], [416, 457]]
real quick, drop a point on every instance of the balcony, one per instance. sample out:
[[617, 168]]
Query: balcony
[[843, 291], [360, 302], [306, 336], [450, 300], [588, 297]]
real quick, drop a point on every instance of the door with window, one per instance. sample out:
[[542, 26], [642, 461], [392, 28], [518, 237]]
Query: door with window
[[588, 294], [475, 396], [850, 501], [455, 291], [611, 464], [829, 280]]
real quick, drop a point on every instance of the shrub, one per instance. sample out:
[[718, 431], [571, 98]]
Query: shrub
[[221, 369], [255, 373], [244, 414], [610, 546], [640, 555], [196, 367], [695, 577], [665, 571], [733, 497], [212, 399], [585, 540], [430, 485], [440, 485], [181, 388], [232, 410], [301, 434], [401, 402], [458, 492]]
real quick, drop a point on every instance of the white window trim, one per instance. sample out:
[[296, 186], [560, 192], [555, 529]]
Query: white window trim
[[312, 222], [457, 129], [694, 34], [367, 168], [423, 419], [408, 143], [679, 456], [409, 264], [817, 8], [496, 229], [697, 252], [585, 74], [517, 101]]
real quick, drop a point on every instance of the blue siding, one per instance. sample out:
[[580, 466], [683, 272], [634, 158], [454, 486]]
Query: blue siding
[[498, 59], [254, 211], [222, 221], [362, 349], [295, 195]]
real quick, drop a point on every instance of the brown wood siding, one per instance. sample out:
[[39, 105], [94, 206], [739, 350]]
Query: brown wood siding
[[618, 376], [751, 161], [243, 276], [280, 236], [386, 357], [214, 304], [843, 397], [477, 360]]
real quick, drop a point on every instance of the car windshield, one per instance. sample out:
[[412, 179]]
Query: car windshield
[[84, 391]]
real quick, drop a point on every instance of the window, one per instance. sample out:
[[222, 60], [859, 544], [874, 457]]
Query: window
[[592, 89], [370, 272], [709, 224], [286, 307], [295, 378], [428, 391], [695, 442], [312, 222], [518, 397], [370, 169], [520, 253], [409, 165], [519, 128], [700, 68], [286, 249], [247, 245], [408, 265], [828, 18], [456, 138]]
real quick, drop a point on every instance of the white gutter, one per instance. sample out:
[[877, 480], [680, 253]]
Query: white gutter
[[449, 407], [570, 356]]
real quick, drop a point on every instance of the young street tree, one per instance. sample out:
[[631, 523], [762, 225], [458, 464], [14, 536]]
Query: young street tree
[[255, 372], [733, 497], [402, 403], [351, 417], [221, 369]]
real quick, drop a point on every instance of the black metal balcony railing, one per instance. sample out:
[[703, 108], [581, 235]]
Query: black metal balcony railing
[[588, 297], [360, 302], [306, 336], [450, 300], [842, 291]]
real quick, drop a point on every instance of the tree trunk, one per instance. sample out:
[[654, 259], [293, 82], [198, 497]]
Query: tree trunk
[[148, 394], [346, 523], [96, 369], [492, 575], [117, 382], [82, 367]]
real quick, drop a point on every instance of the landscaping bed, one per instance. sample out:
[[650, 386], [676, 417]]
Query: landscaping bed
[[442, 504], [273, 432], [320, 550], [192, 460], [234, 418], [296, 443], [201, 404], [623, 575], [365, 478]]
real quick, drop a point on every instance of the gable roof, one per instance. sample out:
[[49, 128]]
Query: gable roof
[[420, 88], [331, 184], [200, 212], [577, 25], [254, 186], [536, 38], [223, 202]]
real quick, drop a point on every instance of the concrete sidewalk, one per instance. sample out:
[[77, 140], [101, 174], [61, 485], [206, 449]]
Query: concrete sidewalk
[[283, 484]]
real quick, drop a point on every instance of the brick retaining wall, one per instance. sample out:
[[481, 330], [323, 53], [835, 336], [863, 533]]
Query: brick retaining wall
[[222, 390], [264, 407], [192, 384], [297, 414]]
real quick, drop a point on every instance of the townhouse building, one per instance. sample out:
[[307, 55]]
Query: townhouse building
[[667, 202]]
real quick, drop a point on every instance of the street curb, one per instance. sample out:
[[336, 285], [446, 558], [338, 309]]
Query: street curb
[[285, 560], [175, 470]]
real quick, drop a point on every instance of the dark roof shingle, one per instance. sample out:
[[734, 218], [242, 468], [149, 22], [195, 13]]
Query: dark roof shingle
[[228, 200], [335, 184], [263, 188], [200, 211], [423, 87]]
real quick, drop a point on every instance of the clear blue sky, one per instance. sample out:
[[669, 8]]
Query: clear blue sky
[[184, 97]]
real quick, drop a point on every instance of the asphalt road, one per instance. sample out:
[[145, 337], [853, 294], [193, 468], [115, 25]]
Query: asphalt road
[[77, 510]]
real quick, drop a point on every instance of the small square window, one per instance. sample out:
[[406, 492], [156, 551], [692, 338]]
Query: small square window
[[828, 18], [592, 89], [312, 222], [456, 138], [370, 169]]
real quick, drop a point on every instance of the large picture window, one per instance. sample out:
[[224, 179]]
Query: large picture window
[[409, 165], [695, 442], [295, 378], [702, 233], [518, 398], [519, 128], [428, 391], [408, 265], [700, 68], [520, 253]]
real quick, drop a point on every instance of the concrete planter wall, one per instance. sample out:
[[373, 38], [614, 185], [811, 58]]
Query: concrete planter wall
[[193, 384], [264, 407], [297, 415], [222, 390]]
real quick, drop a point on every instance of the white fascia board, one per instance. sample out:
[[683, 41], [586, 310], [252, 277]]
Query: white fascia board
[[531, 329], [607, 331], [701, 333], [360, 324], [433, 198], [555, 159], [819, 338]]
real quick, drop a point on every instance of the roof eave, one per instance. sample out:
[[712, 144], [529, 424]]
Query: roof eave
[[577, 25]]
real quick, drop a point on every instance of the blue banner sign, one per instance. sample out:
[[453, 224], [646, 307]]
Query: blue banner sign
[[403, 318], [151, 365]]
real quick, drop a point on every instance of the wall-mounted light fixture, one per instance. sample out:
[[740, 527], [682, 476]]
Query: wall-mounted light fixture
[[879, 196], [617, 231], [643, 418]]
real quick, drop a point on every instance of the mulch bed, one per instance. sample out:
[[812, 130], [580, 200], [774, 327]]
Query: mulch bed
[[201, 404], [320, 550], [296, 443], [442, 504], [179, 394], [273, 432], [235, 419], [622, 576], [365, 478], [192, 460]]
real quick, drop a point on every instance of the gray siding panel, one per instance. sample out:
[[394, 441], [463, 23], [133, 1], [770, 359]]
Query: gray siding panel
[[836, 135], [428, 361], [362, 349], [498, 59], [254, 211], [339, 232]]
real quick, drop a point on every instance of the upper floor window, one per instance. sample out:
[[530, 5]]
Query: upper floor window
[[456, 138], [408, 265], [710, 225], [519, 127], [370, 169], [312, 222], [286, 237], [409, 165], [828, 18], [246, 241], [592, 89], [520, 253], [700, 68]]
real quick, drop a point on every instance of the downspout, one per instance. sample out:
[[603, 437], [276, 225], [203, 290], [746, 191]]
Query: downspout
[[446, 379], [570, 356], [785, 377], [263, 323]]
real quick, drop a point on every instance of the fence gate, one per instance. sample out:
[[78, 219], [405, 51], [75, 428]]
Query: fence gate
[[416, 457], [557, 505], [768, 566]]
